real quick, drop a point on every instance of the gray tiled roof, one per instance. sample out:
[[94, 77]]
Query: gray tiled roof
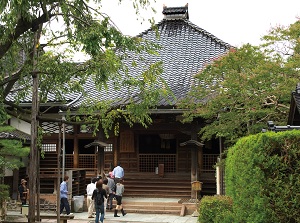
[[185, 50], [15, 134], [50, 97]]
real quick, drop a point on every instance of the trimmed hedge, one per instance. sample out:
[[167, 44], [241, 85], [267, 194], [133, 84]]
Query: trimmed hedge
[[263, 177], [215, 209]]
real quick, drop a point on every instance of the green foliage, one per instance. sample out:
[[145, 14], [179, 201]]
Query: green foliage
[[82, 28], [240, 91], [262, 177], [4, 192], [11, 152], [215, 209]]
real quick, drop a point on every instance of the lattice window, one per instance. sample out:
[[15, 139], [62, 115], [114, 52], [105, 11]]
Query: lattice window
[[148, 162], [69, 161], [108, 148], [88, 161], [49, 147], [209, 161], [53, 127]]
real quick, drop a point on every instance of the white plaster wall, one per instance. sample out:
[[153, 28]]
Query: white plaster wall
[[8, 173], [20, 125]]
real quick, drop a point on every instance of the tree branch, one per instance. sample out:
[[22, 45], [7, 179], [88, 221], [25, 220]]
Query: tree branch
[[22, 27]]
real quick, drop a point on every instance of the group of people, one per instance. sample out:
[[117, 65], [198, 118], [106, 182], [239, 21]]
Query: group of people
[[101, 192]]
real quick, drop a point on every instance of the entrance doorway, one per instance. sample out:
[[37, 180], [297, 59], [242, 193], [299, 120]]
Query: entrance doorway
[[156, 149]]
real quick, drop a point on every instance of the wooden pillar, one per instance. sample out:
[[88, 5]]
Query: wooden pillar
[[101, 159], [115, 151], [100, 145], [101, 138], [194, 163], [15, 184], [76, 149], [222, 171], [194, 147]]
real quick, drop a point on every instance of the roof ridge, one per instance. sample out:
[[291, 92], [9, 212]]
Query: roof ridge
[[196, 27]]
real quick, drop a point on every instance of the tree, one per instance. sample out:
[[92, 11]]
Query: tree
[[34, 53], [262, 177], [11, 150], [239, 92], [85, 29]]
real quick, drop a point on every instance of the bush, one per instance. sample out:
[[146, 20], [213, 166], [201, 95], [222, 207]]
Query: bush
[[262, 174], [215, 209]]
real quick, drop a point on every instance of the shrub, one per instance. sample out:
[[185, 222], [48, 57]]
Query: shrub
[[214, 209], [262, 174]]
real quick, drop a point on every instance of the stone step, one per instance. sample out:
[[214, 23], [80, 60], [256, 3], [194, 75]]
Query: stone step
[[150, 206], [171, 185], [152, 211], [156, 195]]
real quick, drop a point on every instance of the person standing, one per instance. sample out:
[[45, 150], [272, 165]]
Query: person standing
[[64, 203], [23, 191], [111, 191], [89, 202], [118, 172], [98, 196], [119, 193]]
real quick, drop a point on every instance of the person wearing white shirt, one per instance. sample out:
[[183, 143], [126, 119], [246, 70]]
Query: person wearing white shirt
[[118, 172], [89, 202]]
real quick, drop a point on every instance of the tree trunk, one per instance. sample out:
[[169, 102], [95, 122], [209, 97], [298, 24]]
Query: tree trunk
[[33, 164]]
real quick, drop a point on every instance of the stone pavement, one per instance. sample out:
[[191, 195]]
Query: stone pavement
[[109, 218]]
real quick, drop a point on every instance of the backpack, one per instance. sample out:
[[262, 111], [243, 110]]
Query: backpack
[[99, 198]]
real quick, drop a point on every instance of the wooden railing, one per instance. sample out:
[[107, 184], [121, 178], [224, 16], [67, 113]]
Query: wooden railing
[[209, 161], [148, 162], [88, 161]]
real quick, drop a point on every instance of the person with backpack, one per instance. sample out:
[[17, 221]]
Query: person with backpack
[[98, 196]]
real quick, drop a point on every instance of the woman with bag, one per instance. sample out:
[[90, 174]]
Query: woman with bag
[[98, 196]]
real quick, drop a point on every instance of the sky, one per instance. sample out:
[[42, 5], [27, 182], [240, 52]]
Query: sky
[[236, 22]]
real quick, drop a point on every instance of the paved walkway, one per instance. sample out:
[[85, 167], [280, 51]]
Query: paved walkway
[[109, 218]]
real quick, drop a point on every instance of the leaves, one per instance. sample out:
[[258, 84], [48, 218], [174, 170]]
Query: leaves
[[81, 28], [262, 177], [240, 91]]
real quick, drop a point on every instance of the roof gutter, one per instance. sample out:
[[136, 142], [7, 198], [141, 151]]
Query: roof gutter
[[151, 111]]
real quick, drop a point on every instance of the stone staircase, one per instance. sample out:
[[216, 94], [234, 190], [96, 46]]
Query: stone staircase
[[152, 205], [172, 185], [151, 185], [170, 194]]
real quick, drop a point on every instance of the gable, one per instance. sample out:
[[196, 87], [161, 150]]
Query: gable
[[185, 49]]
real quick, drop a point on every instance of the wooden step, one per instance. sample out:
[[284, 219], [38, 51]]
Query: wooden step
[[171, 185], [135, 205]]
